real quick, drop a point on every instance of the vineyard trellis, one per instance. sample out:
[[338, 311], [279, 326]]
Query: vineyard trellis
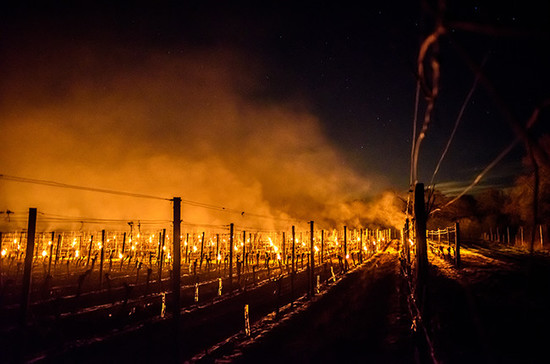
[[72, 275], [445, 243]]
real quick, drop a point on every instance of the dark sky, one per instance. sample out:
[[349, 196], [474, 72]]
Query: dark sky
[[352, 65]]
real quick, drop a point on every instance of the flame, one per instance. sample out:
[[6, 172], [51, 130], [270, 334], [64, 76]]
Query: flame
[[44, 253], [77, 253]]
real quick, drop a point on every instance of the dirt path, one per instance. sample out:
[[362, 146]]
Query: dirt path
[[359, 320], [495, 309]]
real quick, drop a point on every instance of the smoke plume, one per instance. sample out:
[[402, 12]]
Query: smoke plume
[[193, 125]]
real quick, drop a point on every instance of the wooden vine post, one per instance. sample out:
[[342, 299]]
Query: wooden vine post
[[421, 246], [457, 245], [27, 273], [312, 265]]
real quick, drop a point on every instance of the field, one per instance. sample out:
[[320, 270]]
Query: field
[[82, 297]]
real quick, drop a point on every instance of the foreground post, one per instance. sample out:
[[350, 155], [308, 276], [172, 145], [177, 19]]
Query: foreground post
[[27, 273], [420, 227], [176, 265]]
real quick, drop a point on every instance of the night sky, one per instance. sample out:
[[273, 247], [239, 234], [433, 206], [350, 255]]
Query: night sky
[[347, 69]]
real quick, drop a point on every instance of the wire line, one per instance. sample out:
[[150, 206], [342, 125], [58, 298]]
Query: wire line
[[82, 188]]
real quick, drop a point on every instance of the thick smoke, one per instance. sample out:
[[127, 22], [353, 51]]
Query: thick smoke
[[192, 125]]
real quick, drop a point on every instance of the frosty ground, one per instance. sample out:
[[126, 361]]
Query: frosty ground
[[493, 309]]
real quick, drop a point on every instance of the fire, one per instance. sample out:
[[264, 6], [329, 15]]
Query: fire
[[4, 252], [44, 253], [76, 253]]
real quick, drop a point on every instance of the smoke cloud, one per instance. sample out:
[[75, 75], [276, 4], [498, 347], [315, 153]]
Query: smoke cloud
[[195, 125]]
